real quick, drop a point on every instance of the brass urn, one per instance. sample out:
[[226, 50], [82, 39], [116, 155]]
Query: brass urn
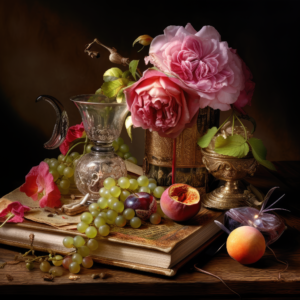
[[230, 169]]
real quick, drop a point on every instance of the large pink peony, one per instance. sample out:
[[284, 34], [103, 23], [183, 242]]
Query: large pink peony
[[161, 103], [201, 61]]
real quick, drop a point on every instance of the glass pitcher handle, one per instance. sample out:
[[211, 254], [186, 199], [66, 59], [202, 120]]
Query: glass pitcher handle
[[61, 123]]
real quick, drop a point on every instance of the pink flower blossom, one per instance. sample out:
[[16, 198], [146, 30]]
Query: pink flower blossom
[[161, 103], [201, 61], [40, 186], [74, 132], [17, 210], [246, 94]]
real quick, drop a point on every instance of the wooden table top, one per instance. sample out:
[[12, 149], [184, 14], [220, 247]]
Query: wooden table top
[[257, 280]]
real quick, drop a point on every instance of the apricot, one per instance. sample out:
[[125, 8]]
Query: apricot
[[180, 202], [246, 245]]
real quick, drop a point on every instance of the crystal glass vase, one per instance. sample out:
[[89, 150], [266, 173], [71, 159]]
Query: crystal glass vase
[[103, 120]]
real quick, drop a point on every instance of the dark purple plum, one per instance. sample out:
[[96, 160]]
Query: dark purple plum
[[144, 204]]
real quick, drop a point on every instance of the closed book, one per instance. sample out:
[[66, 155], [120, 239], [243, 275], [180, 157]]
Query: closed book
[[161, 248]]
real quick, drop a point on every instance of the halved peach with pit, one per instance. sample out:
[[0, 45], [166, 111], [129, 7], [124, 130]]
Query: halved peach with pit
[[180, 202]]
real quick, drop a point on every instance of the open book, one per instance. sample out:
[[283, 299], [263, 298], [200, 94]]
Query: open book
[[160, 246]]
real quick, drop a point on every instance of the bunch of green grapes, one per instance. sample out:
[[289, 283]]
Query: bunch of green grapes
[[81, 256], [122, 150], [109, 209], [62, 170]]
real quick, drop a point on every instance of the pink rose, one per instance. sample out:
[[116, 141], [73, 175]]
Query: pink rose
[[201, 61], [247, 93], [161, 103], [74, 132], [39, 185]]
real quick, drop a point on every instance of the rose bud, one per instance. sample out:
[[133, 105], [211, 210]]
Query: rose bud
[[145, 40]]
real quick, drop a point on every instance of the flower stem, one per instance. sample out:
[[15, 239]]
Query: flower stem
[[242, 126], [74, 147], [10, 215], [232, 128], [223, 123]]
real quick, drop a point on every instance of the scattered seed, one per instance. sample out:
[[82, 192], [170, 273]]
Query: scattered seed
[[48, 277], [101, 275], [2, 264], [72, 197], [9, 277], [50, 216]]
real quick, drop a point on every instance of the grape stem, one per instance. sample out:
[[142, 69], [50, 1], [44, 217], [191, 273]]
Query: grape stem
[[85, 142]]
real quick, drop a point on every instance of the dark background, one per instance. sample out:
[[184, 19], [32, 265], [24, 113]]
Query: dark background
[[41, 52]]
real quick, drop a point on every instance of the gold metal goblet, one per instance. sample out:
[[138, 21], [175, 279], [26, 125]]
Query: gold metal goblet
[[229, 169]]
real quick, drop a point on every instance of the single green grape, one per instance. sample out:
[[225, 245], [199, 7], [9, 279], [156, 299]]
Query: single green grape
[[102, 203], [65, 184], [120, 141], [87, 262], [94, 206], [144, 189], [120, 154], [47, 161], [115, 191], [68, 172], [99, 221], [115, 145], [95, 213], [58, 260], [120, 221], [54, 173], [152, 186], [54, 164], [77, 258], [87, 218], [68, 160], [124, 182], [124, 195], [84, 250], [78, 241], [60, 157], [91, 232], [118, 207], [107, 194], [45, 266], [128, 213], [143, 180], [133, 184], [74, 155], [89, 148], [132, 159], [124, 148], [29, 265], [127, 155], [111, 217], [101, 191], [92, 244], [74, 267], [52, 160], [68, 242], [135, 222], [152, 180], [157, 192], [104, 230], [111, 201], [82, 226], [109, 183], [61, 168], [155, 218], [103, 215]]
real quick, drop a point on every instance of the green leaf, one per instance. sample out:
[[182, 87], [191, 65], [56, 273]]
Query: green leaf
[[127, 75], [260, 153], [112, 88], [128, 125], [121, 97], [112, 74], [132, 67], [234, 145], [99, 92], [204, 141]]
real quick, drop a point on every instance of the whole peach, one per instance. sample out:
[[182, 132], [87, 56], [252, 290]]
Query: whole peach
[[180, 202], [246, 245]]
